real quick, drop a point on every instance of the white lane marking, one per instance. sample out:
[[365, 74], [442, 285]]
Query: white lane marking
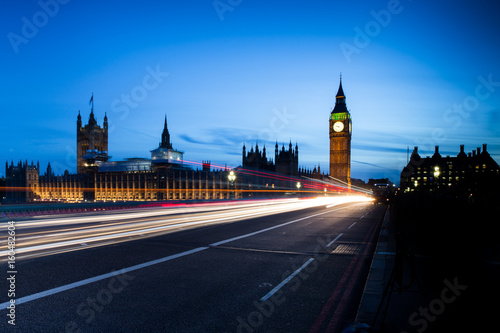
[[157, 261], [352, 225], [364, 214], [271, 228], [98, 278], [285, 281], [333, 241]]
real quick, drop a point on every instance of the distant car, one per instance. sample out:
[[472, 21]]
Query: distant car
[[382, 193]]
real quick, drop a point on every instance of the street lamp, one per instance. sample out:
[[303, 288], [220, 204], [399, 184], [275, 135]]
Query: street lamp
[[298, 185], [232, 177]]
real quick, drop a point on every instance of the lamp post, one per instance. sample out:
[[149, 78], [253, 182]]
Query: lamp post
[[232, 177], [298, 186]]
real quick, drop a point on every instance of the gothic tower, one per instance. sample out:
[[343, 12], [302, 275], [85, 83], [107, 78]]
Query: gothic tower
[[91, 139], [165, 137], [287, 161], [165, 155], [340, 138]]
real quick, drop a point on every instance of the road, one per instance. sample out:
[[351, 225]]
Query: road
[[282, 266]]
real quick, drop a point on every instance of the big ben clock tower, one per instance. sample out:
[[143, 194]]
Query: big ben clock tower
[[340, 139]]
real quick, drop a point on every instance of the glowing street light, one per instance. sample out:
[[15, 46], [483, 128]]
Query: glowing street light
[[298, 185], [231, 176]]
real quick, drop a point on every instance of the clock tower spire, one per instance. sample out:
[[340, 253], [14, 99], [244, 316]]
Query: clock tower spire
[[340, 125]]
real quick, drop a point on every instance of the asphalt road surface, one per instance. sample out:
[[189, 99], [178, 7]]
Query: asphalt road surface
[[289, 266]]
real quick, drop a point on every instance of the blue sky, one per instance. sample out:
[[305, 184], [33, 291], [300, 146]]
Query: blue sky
[[231, 72]]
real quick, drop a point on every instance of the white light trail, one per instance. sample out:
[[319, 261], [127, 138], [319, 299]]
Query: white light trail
[[44, 236]]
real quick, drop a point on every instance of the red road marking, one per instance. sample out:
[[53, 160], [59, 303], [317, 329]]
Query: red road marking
[[329, 304], [332, 325]]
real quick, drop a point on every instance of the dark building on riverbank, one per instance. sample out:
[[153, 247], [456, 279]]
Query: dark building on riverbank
[[475, 172]]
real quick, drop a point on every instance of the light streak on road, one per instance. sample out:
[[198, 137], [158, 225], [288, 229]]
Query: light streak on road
[[48, 235]]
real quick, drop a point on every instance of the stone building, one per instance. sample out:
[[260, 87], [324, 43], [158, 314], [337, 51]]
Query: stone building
[[21, 181], [461, 175], [340, 132], [91, 140], [285, 161], [163, 177]]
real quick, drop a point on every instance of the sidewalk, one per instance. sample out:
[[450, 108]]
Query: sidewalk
[[395, 309], [425, 288]]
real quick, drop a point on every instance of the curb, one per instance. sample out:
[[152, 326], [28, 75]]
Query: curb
[[374, 287]]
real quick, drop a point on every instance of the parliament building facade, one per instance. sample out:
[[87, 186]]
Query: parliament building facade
[[165, 177], [159, 178], [162, 177]]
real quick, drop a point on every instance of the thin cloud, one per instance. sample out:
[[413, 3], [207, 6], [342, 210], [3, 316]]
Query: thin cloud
[[375, 165]]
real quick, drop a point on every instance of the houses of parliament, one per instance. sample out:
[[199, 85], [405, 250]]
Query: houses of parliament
[[165, 176], [159, 178]]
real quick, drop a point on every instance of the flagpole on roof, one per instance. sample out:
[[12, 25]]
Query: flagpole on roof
[[92, 103]]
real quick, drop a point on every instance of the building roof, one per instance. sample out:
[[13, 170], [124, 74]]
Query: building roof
[[340, 92], [165, 136], [340, 105]]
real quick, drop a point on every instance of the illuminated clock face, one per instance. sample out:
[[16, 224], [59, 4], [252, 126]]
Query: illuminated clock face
[[338, 126]]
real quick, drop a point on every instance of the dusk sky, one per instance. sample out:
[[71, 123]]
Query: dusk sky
[[415, 73]]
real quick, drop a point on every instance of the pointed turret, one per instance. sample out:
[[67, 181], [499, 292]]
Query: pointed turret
[[105, 124], [340, 105], [49, 171], [79, 120], [165, 136], [340, 92], [165, 155], [92, 120]]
